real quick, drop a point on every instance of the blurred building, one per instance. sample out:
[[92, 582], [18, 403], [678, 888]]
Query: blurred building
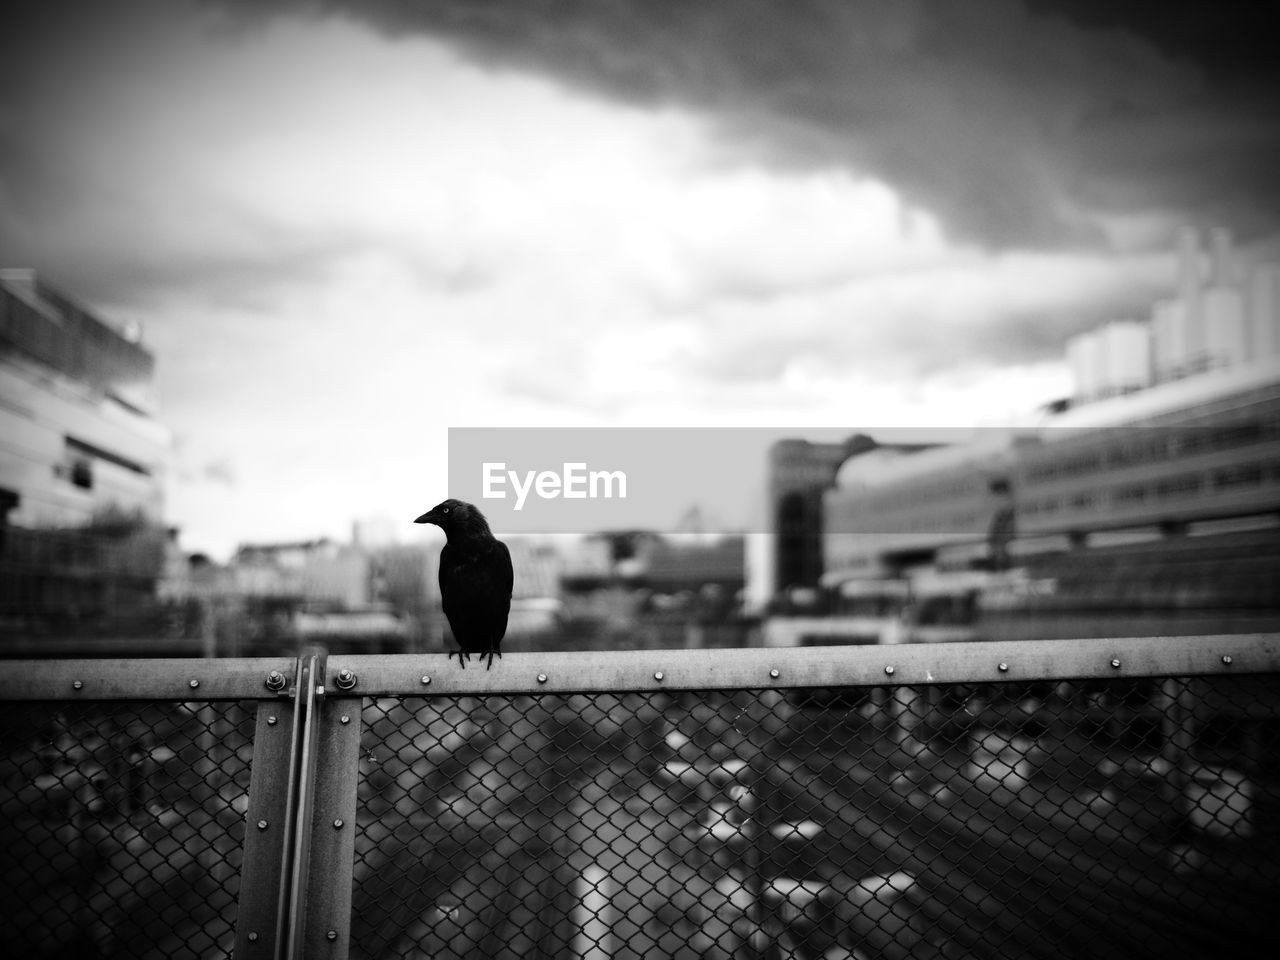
[[587, 563], [658, 563], [634, 589], [800, 472], [345, 598], [695, 564], [82, 463], [374, 532], [368, 596], [536, 603], [321, 573], [889, 512], [1148, 503], [80, 435]]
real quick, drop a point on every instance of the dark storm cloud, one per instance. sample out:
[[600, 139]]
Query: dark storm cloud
[[84, 196], [114, 184], [1011, 120]]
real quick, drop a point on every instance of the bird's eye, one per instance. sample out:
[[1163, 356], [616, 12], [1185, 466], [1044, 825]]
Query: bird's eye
[[445, 510]]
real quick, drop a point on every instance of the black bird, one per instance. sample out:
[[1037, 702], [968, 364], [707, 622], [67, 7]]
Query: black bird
[[475, 579]]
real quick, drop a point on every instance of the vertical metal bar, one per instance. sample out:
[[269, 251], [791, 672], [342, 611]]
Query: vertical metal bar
[[757, 938], [302, 776], [208, 630], [901, 701], [327, 928], [265, 834], [1179, 730]]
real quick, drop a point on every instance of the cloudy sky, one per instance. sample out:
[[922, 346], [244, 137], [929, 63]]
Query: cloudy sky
[[346, 227]]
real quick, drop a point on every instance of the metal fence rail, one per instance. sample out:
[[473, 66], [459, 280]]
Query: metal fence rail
[[1100, 798]]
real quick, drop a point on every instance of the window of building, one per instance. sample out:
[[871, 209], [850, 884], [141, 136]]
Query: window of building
[[88, 451], [80, 472], [78, 461]]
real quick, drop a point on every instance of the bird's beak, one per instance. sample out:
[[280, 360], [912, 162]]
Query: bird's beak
[[428, 517]]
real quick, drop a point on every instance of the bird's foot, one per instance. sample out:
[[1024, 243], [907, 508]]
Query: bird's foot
[[461, 655], [491, 654]]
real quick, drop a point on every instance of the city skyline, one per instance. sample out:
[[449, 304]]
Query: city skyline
[[343, 233]]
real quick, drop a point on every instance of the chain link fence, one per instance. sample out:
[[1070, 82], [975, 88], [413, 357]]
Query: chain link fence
[[123, 827], [1093, 799], [1101, 819]]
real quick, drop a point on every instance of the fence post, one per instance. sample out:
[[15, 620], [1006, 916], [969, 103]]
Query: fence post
[[258, 917], [1178, 722], [327, 915], [296, 886]]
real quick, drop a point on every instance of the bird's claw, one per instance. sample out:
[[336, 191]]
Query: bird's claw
[[464, 656]]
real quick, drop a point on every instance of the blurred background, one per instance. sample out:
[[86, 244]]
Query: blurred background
[[257, 259], [997, 283]]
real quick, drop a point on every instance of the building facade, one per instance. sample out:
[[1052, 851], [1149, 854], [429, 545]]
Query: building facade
[[82, 468], [1148, 502], [79, 436]]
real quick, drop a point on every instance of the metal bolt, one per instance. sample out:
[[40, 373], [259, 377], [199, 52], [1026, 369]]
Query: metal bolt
[[253, 936], [1115, 662], [262, 824], [774, 673], [344, 719], [1003, 668], [77, 684], [331, 935], [346, 679], [193, 684], [658, 675], [425, 679], [272, 721], [1226, 659], [889, 670], [275, 680], [542, 678], [337, 824]]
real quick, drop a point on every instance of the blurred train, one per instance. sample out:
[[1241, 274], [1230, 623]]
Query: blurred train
[[1145, 515]]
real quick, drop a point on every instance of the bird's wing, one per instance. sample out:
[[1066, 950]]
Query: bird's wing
[[504, 573], [504, 578], [475, 592], [445, 571], [453, 586]]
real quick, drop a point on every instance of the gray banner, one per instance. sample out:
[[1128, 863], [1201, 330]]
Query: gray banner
[[962, 483]]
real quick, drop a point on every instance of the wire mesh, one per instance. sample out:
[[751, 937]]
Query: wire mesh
[[123, 826], [1100, 818]]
